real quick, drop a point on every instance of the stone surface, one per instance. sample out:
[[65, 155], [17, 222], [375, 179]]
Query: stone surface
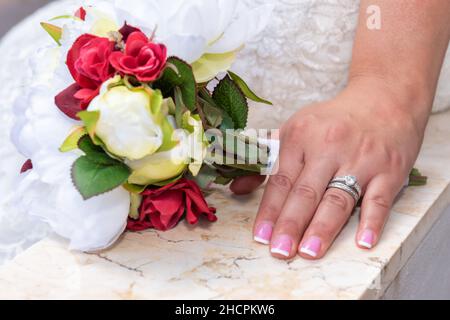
[[221, 260]]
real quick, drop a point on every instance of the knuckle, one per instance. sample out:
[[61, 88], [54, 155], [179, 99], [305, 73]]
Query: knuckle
[[281, 180], [368, 145], [302, 124], [322, 228], [305, 191], [396, 159], [288, 225], [337, 199], [268, 210], [337, 132], [380, 202]]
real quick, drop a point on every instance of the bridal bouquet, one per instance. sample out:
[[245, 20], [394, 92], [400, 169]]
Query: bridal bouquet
[[129, 116]]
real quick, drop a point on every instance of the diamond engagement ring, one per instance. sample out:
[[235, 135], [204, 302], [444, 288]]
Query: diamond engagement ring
[[348, 184]]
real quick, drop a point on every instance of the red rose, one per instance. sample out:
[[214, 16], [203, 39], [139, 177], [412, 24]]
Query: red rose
[[163, 208], [88, 62], [127, 30], [142, 58]]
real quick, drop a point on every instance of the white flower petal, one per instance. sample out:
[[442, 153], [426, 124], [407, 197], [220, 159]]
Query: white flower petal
[[126, 125], [243, 29], [188, 48]]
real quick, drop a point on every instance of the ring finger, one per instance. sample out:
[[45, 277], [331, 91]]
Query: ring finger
[[332, 214]]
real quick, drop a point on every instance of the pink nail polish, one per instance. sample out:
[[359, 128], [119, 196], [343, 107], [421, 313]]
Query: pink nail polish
[[264, 233], [367, 239], [311, 247], [282, 245]]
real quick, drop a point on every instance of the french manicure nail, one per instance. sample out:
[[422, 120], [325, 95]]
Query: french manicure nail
[[282, 245], [367, 239], [263, 233], [311, 247]]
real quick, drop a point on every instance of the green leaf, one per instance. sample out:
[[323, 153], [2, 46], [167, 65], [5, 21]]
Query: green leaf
[[227, 122], [213, 115], [230, 98], [54, 31], [246, 90], [90, 119], [71, 142], [180, 108], [172, 180], [92, 178], [223, 181], [95, 152], [416, 179], [206, 176], [179, 74], [134, 188]]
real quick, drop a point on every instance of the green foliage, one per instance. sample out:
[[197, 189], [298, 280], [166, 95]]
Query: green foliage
[[97, 173], [246, 90], [178, 74], [229, 97], [416, 179], [54, 31]]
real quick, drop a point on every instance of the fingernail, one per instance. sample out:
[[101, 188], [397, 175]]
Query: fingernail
[[367, 239], [311, 247], [264, 233], [282, 245]]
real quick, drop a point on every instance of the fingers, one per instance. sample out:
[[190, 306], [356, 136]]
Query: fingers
[[299, 208], [375, 209], [276, 192], [332, 214], [247, 184]]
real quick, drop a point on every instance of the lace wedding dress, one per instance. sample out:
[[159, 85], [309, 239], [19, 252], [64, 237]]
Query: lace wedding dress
[[302, 57]]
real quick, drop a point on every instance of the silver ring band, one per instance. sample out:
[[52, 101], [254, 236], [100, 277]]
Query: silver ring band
[[342, 186], [350, 181]]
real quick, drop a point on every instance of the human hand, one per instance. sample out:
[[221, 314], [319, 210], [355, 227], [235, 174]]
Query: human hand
[[363, 132]]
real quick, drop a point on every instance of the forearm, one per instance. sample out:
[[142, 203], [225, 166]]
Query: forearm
[[406, 53]]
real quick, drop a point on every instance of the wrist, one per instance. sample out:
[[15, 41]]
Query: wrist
[[409, 101]]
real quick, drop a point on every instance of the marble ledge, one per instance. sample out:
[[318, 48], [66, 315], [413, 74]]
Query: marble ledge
[[221, 260]]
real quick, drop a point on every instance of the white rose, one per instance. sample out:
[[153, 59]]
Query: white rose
[[127, 125], [188, 152]]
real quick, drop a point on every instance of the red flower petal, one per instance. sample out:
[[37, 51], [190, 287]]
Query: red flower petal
[[143, 59], [162, 208], [68, 104], [28, 165], [135, 41], [126, 30], [81, 13], [72, 57], [167, 211]]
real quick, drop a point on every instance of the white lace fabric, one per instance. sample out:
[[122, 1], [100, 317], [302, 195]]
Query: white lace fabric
[[302, 57]]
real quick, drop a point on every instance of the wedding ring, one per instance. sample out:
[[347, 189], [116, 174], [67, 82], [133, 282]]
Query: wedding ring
[[348, 184], [350, 181]]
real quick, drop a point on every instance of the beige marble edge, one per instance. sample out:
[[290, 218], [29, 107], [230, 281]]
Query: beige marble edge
[[392, 267], [41, 272]]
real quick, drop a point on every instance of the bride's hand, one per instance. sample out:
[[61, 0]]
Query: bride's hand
[[363, 132], [372, 130]]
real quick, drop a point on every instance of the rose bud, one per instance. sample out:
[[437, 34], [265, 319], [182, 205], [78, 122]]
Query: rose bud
[[187, 151], [130, 125], [142, 58], [134, 125]]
